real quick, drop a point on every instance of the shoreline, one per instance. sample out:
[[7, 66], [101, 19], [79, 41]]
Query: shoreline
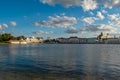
[[56, 43], [4, 43]]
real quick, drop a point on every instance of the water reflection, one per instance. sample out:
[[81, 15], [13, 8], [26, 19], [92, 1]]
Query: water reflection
[[70, 61]]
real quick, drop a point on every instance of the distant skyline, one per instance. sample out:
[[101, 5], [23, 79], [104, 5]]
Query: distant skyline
[[60, 18]]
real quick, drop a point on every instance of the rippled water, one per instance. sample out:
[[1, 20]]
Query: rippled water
[[60, 62]]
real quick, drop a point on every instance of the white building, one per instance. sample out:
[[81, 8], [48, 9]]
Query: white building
[[112, 41], [34, 40], [27, 40]]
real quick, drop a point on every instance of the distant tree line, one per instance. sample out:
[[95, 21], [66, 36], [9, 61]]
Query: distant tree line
[[7, 37]]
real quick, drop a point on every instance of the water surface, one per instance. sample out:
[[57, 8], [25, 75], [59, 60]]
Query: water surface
[[60, 62]]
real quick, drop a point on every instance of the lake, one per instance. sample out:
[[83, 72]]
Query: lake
[[60, 62]]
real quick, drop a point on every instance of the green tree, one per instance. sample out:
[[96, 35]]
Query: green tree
[[21, 37], [5, 37]]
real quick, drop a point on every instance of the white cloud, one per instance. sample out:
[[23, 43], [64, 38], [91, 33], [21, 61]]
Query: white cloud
[[104, 11], [89, 20], [101, 28], [113, 16], [107, 4], [85, 4], [13, 23], [65, 3], [3, 26], [115, 3], [92, 28], [72, 30], [89, 5], [43, 32], [57, 21], [110, 3], [37, 24], [114, 20], [117, 22], [100, 15]]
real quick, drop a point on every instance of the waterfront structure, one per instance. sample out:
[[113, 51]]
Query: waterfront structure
[[62, 40], [18, 42], [103, 37], [106, 36], [113, 41], [72, 40], [91, 40], [27, 40], [14, 42], [107, 39], [34, 40]]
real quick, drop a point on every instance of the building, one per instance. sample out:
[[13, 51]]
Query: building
[[72, 40], [27, 40], [62, 40], [91, 40], [18, 42], [34, 40], [113, 41], [103, 37], [106, 36]]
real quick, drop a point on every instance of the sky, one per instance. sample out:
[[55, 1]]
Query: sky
[[60, 18]]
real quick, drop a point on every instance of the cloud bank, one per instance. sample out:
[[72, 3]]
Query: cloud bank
[[85, 4], [57, 21], [42, 32], [92, 28]]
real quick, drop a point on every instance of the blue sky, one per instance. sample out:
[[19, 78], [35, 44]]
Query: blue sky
[[60, 18]]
